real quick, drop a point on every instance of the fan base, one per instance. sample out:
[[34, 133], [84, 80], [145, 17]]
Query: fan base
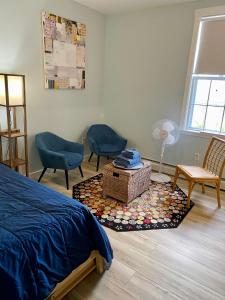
[[159, 177]]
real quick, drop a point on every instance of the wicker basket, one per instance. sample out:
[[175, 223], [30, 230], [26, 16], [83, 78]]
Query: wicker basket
[[126, 185]]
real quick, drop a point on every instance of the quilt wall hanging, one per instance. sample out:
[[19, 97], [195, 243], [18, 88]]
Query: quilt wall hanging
[[64, 52]]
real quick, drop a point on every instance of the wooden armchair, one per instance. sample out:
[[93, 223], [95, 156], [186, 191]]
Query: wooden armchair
[[210, 172]]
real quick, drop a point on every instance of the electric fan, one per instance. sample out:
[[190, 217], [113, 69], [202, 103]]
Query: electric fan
[[166, 131]]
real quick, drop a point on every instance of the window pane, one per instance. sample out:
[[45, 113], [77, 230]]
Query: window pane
[[217, 93], [202, 91], [198, 117], [213, 118]]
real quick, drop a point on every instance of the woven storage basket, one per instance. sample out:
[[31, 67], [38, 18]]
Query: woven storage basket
[[126, 185]]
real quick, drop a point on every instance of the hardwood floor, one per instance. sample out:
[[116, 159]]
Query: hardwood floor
[[183, 263]]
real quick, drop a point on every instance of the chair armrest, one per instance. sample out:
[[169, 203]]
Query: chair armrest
[[121, 141], [93, 145], [124, 143], [75, 147], [52, 159]]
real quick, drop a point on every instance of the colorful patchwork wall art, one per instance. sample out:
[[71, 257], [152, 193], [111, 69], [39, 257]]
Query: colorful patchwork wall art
[[64, 52]]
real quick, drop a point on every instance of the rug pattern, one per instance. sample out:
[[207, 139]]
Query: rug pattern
[[156, 208]]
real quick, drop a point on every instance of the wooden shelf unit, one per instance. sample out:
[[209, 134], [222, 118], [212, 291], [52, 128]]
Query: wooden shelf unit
[[11, 133]]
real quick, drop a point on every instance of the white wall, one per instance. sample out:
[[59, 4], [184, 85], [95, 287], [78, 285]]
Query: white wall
[[146, 58], [66, 113]]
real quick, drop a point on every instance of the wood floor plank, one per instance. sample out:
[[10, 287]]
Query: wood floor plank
[[143, 288], [100, 287], [169, 275]]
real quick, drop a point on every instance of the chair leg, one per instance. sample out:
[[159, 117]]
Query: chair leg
[[90, 157], [190, 188], [54, 170], [67, 179], [218, 194], [175, 179], [203, 188], [107, 157], [98, 160], [42, 174], [81, 172]]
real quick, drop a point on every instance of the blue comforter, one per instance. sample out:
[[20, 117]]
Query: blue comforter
[[44, 235]]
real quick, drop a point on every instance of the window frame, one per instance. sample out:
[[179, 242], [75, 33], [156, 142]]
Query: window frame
[[200, 15], [195, 78]]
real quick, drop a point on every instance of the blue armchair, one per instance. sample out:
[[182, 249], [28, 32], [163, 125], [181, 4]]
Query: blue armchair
[[58, 153], [104, 141]]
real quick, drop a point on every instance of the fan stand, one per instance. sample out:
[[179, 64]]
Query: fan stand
[[160, 177]]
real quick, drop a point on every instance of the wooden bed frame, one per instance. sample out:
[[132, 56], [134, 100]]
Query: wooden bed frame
[[95, 261]]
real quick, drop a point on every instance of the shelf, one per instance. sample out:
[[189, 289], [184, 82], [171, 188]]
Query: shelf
[[13, 135], [15, 162], [4, 105], [13, 130]]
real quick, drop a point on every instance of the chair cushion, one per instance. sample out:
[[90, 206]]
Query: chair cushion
[[73, 160], [109, 148], [197, 172]]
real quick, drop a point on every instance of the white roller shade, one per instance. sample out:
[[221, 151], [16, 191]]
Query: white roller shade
[[211, 52]]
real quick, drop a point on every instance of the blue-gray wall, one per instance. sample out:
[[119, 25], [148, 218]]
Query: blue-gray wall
[[66, 113], [146, 58]]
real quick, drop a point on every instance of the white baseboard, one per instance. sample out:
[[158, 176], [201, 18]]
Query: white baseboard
[[170, 170], [35, 172], [47, 171]]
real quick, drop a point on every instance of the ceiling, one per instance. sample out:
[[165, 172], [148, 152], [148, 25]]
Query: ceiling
[[120, 6]]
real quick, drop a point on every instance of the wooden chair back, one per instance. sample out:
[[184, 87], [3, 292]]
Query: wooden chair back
[[214, 160]]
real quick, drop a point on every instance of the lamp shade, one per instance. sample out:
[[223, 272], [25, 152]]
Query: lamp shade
[[11, 86], [2, 90]]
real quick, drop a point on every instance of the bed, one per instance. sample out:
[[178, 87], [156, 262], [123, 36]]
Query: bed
[[48, 242]]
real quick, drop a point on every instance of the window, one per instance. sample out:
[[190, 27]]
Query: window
[[207, 106], [205, 89]]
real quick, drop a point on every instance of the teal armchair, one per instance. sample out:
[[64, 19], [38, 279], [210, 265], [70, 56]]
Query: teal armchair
[[57, 153], [104, 141]]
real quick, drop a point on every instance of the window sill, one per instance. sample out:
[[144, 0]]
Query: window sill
[[202, 134]]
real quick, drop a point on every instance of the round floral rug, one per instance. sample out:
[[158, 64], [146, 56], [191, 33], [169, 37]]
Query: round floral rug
[[156, 208]]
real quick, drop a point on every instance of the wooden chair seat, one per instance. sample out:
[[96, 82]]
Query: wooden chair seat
[[197, 173], [210, 172]]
